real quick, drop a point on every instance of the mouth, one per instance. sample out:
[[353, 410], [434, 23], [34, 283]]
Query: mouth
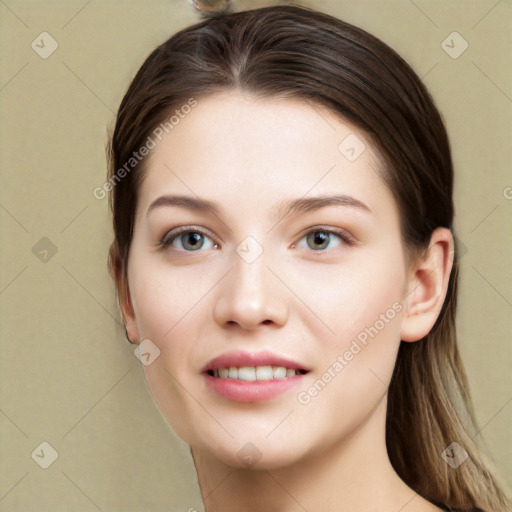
[[250, 377]]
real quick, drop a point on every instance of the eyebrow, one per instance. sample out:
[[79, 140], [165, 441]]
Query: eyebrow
[[189, 202], [293, 206], [308, 204]]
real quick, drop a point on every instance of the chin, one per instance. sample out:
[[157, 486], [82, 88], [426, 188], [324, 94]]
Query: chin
[[254, 455]]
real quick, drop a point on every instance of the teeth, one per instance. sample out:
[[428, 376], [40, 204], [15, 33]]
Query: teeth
[[279, 372], [247, 373], [264, 372], [252, 373]]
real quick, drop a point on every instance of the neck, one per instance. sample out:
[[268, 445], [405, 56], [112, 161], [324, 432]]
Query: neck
[[351, 476]]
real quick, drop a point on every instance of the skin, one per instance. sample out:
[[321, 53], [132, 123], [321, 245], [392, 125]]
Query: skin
[[248, 155]]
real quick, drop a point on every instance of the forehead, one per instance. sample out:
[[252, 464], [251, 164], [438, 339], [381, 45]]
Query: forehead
[[251, 151]]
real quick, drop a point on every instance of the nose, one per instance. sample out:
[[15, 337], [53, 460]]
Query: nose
[[250, 297]]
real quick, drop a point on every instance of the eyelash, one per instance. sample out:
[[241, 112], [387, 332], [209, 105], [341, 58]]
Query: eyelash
[[173, 234], [345, 238]]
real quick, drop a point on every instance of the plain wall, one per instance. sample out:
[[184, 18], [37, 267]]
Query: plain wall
[[68, 375]]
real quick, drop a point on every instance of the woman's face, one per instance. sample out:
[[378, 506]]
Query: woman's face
[[266, 247]]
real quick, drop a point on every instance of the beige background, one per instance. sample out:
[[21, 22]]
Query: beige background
[[68, 376]]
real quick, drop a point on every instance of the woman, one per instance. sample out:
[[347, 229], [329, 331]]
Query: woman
[[283, 255]]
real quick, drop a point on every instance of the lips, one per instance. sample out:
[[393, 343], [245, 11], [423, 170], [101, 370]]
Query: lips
[[240, 359], [251, 377]]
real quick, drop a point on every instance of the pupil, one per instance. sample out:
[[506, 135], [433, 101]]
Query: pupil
[[319, 239], [192, 241]]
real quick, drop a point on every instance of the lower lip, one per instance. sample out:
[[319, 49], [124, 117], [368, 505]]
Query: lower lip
[[251, 391]]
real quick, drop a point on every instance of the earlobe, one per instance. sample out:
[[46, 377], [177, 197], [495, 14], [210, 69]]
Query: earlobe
[[427, 287]]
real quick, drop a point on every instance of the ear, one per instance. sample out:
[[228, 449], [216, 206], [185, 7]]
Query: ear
[[427, 286], [116, 269], [130, 322]]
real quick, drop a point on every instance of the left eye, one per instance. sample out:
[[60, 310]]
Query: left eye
[[320, 240], [188, 240]]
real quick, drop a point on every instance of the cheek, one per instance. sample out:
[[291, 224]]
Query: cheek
[[362, 305], [172, 310], [164, 298], [343, 301], [353, 382], [168, 312]]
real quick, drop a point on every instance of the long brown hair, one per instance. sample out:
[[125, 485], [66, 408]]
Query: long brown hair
[[297, 52]]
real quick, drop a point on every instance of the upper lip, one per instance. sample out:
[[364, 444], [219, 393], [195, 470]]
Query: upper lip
[[240, 358]]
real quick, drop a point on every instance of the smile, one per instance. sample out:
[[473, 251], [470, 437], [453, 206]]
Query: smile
[[252, 377]]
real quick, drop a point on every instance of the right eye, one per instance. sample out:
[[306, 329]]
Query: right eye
[[188, 240]]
